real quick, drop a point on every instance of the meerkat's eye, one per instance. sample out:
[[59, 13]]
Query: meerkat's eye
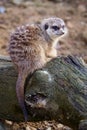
[[46, 26], [55, 27]]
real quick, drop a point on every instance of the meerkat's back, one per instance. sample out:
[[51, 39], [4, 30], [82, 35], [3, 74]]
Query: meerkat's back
[[25, 46], [28, 55]]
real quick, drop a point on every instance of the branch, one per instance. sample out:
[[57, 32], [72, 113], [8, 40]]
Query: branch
[[58, 91]]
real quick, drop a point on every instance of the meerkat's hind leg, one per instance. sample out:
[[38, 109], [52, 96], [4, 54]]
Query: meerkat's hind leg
[[20, 92]]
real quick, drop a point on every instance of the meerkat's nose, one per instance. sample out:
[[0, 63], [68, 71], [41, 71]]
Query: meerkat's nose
[[62, 31]]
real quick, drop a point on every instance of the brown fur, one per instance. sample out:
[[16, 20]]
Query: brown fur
[[30, 48], [28, 51]]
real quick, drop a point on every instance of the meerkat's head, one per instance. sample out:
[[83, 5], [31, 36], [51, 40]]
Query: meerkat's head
[[54, 27]]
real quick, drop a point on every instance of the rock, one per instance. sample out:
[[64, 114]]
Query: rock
[[28, 3], [83, 125], [15, 126], [2, 127], [69, 25], [2, 9], [17, 2], [30, 128], [49, 128], [81, 8], [62, 127], [67, 18], [3, 46], [66, 128], [8, 122]]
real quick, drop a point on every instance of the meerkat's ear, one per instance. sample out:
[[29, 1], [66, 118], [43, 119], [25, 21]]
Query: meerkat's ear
[[46, 26]]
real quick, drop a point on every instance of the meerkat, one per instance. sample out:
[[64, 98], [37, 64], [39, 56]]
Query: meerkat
[[31, 47]]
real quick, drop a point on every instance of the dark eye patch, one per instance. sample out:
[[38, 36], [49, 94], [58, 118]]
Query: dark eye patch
[[55, 27], [46, 26]]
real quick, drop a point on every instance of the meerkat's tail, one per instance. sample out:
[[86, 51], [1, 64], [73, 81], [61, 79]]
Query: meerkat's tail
[[20, 93]]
